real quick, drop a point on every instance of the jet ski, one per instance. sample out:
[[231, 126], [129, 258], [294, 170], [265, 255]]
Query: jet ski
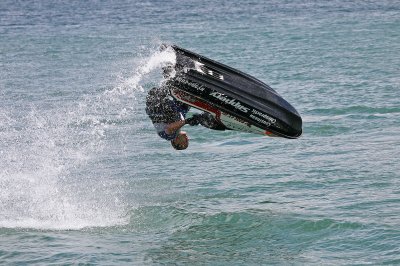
[[237, 100]]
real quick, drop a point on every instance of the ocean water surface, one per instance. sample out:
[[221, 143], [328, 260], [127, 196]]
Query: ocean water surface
[[84, 179]]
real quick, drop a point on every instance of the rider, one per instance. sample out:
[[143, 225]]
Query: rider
[[169, 116]]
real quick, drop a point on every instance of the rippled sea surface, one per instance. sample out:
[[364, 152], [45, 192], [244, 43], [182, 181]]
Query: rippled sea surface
[[85, 179]]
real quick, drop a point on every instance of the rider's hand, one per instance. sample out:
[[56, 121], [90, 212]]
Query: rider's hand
[[194, 120]]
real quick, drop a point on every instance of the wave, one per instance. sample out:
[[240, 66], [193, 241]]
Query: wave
[[245, 234]]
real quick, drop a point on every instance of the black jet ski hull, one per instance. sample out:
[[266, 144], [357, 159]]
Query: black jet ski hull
[[233, 94]]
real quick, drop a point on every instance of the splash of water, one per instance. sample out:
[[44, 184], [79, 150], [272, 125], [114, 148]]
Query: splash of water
[[157, 60], [51, 176]]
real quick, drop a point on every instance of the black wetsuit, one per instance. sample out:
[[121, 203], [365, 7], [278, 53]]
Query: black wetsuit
[[163, 110]]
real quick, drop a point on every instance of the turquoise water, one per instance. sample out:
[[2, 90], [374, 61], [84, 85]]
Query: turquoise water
[[84, 179]]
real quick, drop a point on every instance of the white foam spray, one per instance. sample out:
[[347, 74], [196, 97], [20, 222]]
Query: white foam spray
[[51, 166], [157, 60]]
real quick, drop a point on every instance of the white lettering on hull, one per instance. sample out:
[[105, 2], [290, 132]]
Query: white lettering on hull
[[232, 102], [262, 121], [191, 84], [270, 119]]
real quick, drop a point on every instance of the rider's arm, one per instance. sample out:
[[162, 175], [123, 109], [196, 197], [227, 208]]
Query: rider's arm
[[173, 127]]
